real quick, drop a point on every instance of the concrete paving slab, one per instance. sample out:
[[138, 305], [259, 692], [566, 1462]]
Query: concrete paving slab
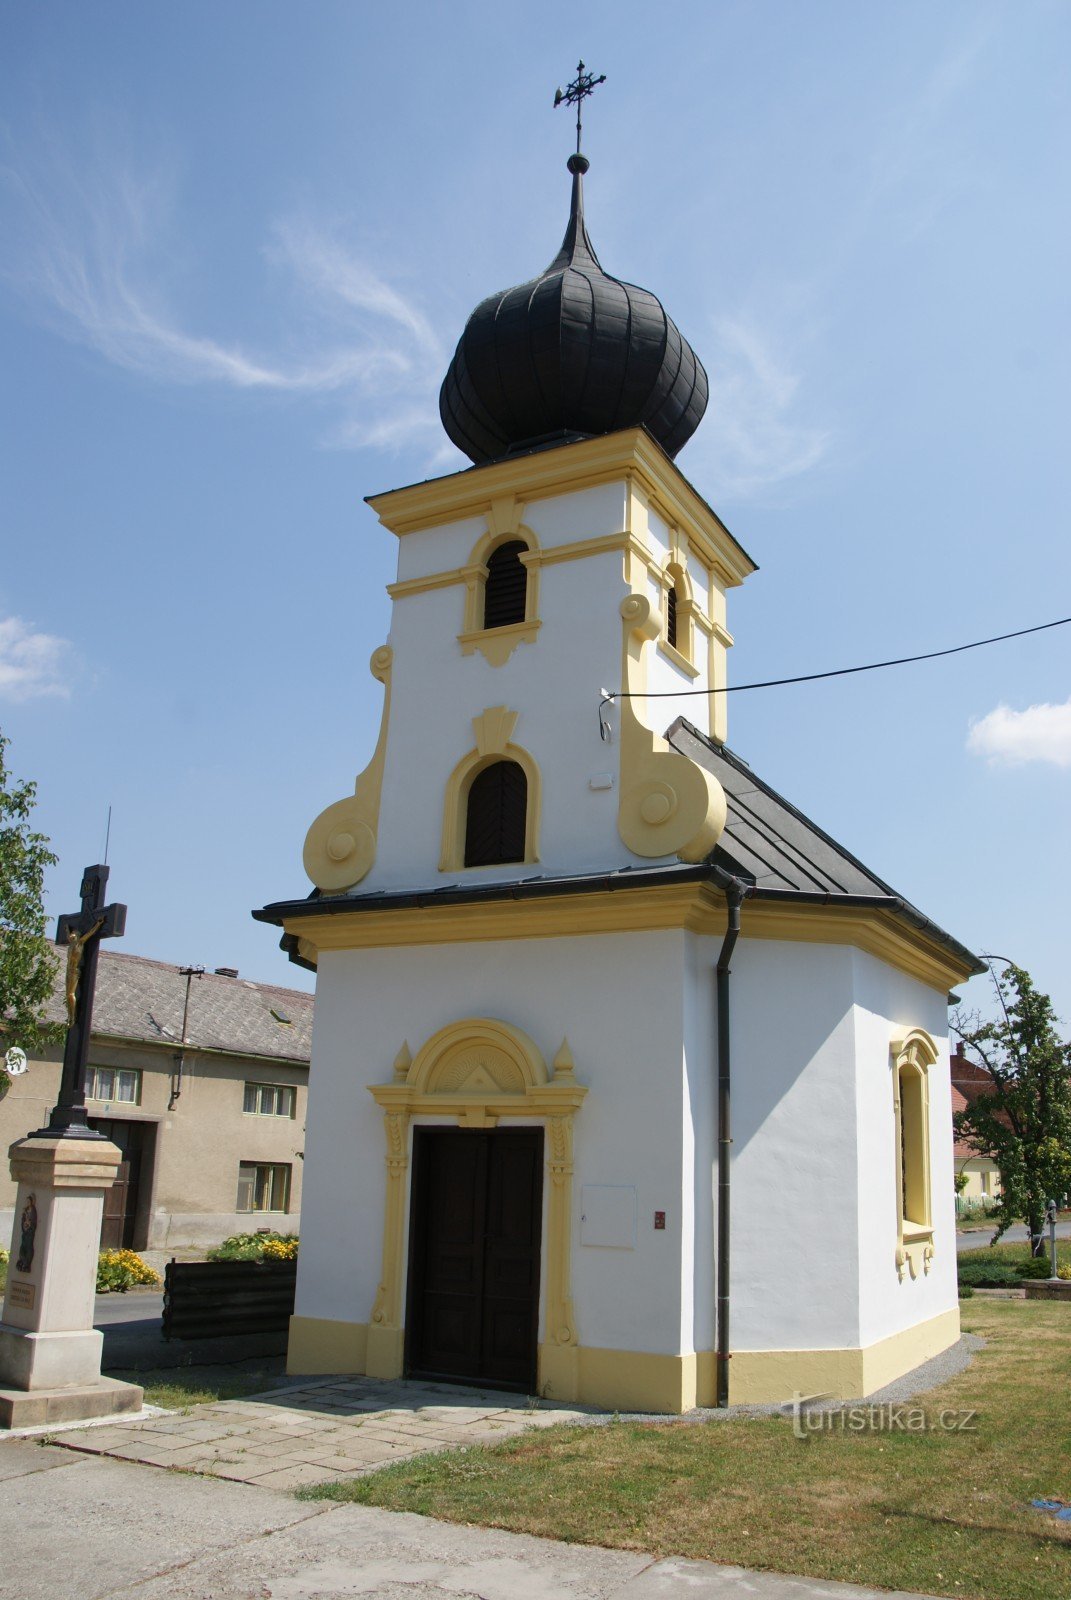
[[358, 1550], [121, 1525], [704, 1580], [20, 1457]]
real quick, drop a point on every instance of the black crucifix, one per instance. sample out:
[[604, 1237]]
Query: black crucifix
[[80, 933], [575, 93]]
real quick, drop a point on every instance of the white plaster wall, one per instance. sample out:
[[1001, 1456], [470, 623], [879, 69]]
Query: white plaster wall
[[619, 999], [888, 1003], [794, 1228], [701, 1068]]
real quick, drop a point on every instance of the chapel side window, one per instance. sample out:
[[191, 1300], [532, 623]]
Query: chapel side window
[[914, 1056], [496, 815], [263, 1186], [671, 615], [913, 1195], [505, 596]]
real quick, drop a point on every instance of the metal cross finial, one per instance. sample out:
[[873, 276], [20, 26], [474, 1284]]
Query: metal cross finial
[[575, 93]]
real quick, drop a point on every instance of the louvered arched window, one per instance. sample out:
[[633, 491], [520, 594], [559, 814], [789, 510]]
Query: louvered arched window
[[506, 590], [496, 815], [671, 616]]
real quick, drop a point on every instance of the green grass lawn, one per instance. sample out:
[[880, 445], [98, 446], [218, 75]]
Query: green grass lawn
[[944, 1512]]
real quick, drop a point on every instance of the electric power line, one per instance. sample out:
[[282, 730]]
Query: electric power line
[[835, 672]]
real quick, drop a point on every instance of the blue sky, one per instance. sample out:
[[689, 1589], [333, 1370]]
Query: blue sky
[[237, 246]]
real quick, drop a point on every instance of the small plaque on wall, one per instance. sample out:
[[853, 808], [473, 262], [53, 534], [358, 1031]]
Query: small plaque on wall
[[22, 1295], [608, 1215]]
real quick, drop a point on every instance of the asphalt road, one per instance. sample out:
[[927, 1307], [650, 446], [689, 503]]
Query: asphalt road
[[134, 1341], [1017, 1235]]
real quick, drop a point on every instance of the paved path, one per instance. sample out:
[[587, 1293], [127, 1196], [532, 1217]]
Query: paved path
[[74, 1527], [1017, 1235], [314, 1431]]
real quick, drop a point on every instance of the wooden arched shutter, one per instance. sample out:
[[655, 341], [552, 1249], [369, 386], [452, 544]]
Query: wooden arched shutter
[[496, 816], [671, 616], [506, 591]]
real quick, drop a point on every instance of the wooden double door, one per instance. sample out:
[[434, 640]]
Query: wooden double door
[[119, 1223], [476, 1222]]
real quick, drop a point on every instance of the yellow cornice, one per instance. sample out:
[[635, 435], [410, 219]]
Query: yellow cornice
[[630, 455], [697, 907]]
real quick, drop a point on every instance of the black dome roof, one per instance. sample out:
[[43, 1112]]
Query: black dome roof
[[571, 354]]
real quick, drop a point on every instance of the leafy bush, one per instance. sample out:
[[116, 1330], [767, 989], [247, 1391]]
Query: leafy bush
[[257, 1247], [120, 1270], [966, 1292], [1064, 1273], [1036, 1267], [988, 1275]]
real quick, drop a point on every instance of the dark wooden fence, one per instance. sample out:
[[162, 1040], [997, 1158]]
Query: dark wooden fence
[[210, 1299]]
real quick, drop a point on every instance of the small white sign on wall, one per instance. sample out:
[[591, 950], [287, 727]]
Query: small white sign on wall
[[608, 1215]]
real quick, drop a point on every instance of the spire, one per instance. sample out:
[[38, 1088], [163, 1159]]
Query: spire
[[576, 249]]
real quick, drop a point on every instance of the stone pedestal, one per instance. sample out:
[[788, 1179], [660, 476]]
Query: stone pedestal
[[49, 1350]]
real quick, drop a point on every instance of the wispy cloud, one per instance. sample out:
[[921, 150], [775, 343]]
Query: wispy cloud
[[755, 436], [32, 664], [91, 250], [1013, 738]]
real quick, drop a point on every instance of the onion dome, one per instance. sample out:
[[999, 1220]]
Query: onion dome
[[569, 355]]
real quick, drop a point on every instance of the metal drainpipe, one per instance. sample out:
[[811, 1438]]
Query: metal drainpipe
[[734, 895]]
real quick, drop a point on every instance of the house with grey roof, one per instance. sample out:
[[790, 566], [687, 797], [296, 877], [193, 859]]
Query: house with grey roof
[[201, 1080]]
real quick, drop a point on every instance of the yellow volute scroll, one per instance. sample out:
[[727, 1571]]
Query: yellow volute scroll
[[340, 847], [669, 806], [476, 1072]]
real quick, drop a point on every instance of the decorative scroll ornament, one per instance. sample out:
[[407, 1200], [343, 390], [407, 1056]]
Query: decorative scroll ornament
[[669, 805], [340, 847]]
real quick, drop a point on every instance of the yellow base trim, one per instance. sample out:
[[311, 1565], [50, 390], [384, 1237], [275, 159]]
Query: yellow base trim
[[636, 1380], [386, 1352], [764, 1377], [321, 1345]]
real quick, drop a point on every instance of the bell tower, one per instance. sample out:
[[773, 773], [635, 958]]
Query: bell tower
[[550, 604]]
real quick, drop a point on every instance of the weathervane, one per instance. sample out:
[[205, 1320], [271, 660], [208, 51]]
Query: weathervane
[[575, 93]]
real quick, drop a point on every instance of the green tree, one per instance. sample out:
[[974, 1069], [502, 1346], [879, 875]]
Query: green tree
[[1024, 1121], [27, 959]]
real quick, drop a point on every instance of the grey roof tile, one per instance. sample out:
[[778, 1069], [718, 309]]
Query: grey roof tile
[[142, 1000]]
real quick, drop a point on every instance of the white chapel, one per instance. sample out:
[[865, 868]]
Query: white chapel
[[594, 1004]]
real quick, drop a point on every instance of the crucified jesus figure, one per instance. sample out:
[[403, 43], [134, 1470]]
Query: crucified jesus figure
[[76, 943]]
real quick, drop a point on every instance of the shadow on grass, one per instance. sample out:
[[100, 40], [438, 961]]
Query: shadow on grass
[[178, 1388]]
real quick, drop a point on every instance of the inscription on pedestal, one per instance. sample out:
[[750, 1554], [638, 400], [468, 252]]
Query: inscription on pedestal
[[22, 1295]]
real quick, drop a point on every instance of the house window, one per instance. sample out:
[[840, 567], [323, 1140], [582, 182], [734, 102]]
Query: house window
[[116, 1085], [263, 1186], [671, 616], [505, 595], [496, 815], [269, 1099]]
